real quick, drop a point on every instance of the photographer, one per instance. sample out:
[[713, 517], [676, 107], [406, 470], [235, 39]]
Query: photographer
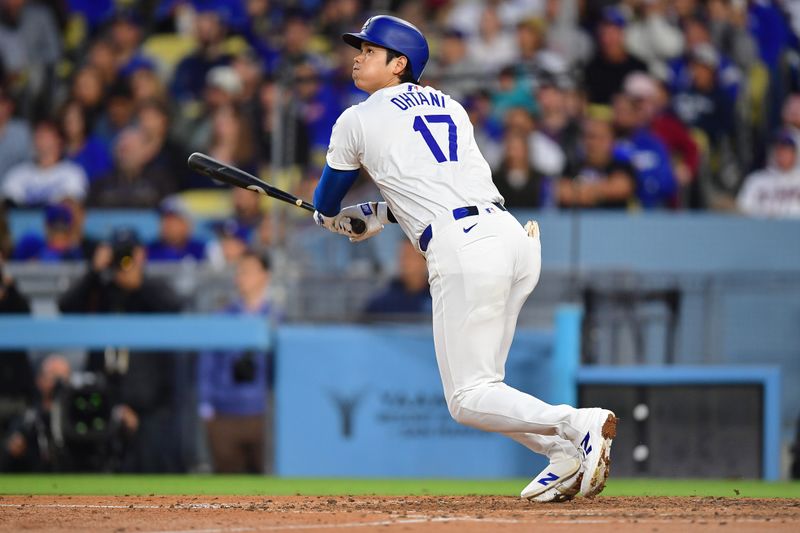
[[16, 375], [28, 447], [140, 383], [233, 386]]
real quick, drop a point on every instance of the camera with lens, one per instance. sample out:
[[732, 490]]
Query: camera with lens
[[84, 433], [123, 244], [81, 410], [244, 368]]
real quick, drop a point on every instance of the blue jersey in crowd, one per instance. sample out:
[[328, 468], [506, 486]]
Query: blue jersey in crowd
[[95, 158], [229, 384], [655, 181], [161, 251]]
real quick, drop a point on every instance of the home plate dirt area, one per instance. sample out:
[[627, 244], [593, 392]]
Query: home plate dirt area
[[223, 514]]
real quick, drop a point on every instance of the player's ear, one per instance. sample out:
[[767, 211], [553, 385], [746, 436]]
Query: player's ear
[[400, 63]]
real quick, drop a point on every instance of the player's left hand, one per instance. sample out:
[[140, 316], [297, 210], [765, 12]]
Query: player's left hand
[[368, 212]]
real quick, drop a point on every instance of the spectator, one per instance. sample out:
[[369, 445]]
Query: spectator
[[555, 119], [118, 113], [189, 79], [463, 14], [125, 36], [708, 109], [531, 44], [263, 17], [30, 50], [59, 243], [50, 178], [72, 427], [251, 74], [175, 240], [153, 118], [337, 17], [407, 296], [138, 178], [546, 156], [88, 89], [512, 92], [516, 179], [770, 27], [144, 82], [233, 385], [611, 64], [340, 79], [318, 108], [698, 41], [656, 184], [6, 242], [650, 36], [652, 100], [232, 140], [564, 36], [30, 444], [102, 60], [704, 104], [276, 106], [728, 30], [271, 232], [16, 143], [791, 118], [296, 49], [230, 244], [16, 375], [492, 48], [81, 147], [454, 72], [603, 177], [775, 190], [91, 13], [194, 124], [247, 209], [141, 384]]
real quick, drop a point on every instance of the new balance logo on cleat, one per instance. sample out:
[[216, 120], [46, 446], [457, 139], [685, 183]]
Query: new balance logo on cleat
[[585, 444], [546, 480]]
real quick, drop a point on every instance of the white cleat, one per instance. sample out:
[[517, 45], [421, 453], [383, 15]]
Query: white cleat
[[559, 482], [601, 428]]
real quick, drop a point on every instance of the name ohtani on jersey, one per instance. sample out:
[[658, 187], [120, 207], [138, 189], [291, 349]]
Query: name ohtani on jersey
[[411, 99]]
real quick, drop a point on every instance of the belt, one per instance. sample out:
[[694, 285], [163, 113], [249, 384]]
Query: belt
[[458, 214]]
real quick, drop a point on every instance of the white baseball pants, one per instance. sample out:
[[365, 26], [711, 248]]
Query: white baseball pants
[[479, 278]]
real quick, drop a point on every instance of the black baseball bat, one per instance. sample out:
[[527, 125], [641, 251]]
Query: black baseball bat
[[231, 175]]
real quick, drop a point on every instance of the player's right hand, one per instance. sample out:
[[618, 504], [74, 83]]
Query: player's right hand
[[328, 223], [368, 212]]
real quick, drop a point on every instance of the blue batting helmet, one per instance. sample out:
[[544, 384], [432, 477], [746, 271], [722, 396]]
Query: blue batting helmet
[[395, 34]]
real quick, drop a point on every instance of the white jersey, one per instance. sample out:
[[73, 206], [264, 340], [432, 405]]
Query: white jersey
[[771, 193], [418, 146], [28, 184]]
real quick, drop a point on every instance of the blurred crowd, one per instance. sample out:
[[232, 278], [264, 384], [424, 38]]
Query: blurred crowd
[[625, 105], [632, 104]]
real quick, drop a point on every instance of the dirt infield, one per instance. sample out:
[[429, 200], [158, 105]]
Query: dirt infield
[[229, 514]]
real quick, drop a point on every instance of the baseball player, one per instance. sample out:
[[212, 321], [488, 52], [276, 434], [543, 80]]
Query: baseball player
[[417, 144]]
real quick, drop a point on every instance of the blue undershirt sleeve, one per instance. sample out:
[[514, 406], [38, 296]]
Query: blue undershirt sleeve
[[332, 187]]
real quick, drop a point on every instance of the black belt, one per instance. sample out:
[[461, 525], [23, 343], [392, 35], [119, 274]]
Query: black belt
[[458, 214]]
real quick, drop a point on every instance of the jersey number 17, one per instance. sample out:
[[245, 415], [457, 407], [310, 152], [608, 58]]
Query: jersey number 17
[[452, 136]]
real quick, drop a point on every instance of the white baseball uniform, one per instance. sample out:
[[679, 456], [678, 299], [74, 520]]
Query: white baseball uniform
[[418, 146]]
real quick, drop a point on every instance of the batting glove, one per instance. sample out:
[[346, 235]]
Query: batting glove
[[373, 214], [329, 223]]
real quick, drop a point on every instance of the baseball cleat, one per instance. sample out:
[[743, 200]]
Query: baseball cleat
[[559, 482], [601, 428]]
